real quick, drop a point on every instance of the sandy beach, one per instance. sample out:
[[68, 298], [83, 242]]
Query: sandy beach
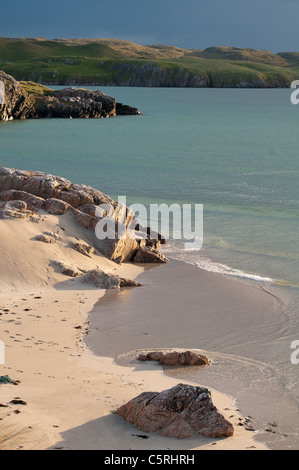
[[69, 393]]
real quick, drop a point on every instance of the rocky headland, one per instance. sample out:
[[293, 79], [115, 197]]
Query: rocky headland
[[28, 100]]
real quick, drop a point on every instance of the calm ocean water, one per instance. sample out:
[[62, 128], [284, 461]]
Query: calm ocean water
[[234, 151]]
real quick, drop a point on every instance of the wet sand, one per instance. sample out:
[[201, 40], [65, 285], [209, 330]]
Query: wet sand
[[67, 395], [184, 307], [241, 326]]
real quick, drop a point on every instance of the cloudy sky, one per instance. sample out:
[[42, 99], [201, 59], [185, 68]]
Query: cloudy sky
[[258, 24]]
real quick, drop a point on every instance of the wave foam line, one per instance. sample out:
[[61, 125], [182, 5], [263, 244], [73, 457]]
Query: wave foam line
[[223, 269]]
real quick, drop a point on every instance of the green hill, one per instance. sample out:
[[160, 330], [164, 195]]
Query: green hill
[[123, 63]]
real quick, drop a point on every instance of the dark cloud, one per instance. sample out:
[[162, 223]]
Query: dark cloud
[[260, 24]]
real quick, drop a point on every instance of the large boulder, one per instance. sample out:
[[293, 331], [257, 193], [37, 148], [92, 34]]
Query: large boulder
[[181, 412]]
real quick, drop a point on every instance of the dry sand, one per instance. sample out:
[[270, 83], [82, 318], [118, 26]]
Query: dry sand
[[70, 393]]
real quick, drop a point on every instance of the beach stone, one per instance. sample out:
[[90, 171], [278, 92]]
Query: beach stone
[[180, 412], [103, 280], [175, 358], [56, 207], [149, 255], [84, 220], [14, 210], [69, 270], [46, 239], [92, 210], [119, 250], [33, 202], [84, 249]]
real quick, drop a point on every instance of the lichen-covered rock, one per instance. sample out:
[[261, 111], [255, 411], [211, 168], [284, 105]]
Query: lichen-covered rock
[[181, 412]]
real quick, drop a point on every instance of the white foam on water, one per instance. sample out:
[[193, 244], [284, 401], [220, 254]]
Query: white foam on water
[[185, 254], [218, 268]]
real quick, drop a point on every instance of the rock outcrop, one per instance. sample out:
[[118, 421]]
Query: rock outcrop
[[149, 255], [28, 100], [176, 358], [46, 239], [80, 104], [17, 103], [182, 412], [14, 210], [103, 280], [84, 249], [69, 270], [24, 193]]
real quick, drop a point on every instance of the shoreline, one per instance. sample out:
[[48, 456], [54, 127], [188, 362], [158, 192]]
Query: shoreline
[[57, 370], [44, 318], [243, 303]]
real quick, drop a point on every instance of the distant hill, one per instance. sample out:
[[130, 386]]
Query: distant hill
[[236, 53], [123, 63]]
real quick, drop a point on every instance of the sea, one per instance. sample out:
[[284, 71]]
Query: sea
[[233, 151]]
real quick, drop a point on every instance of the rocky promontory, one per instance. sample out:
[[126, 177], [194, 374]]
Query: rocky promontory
[[29, 100], [29, 194]]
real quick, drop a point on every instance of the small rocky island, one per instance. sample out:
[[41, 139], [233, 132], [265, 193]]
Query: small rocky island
[[29, 100]]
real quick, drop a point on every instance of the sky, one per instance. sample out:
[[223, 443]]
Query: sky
[[193, 24]]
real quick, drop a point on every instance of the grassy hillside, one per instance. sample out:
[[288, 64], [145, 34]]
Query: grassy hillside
[[116, 62]]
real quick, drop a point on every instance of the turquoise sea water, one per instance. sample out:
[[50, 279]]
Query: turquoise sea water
[[234, 151]]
